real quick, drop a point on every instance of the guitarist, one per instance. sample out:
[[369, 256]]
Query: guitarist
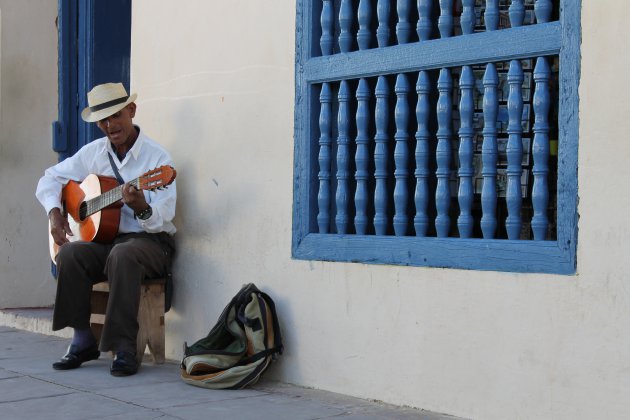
[[143, 246]]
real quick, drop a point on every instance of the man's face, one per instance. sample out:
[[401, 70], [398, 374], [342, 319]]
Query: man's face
[[119, 127]]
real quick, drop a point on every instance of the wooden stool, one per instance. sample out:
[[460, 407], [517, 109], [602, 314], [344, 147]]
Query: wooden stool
[[150, 316]]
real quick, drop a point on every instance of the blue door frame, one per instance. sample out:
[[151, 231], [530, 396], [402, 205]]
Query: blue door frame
[[94, 47]]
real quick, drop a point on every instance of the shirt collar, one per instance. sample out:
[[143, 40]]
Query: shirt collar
[[137, 146], [135, 149]]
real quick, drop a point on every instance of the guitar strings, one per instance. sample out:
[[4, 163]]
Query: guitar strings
[[107, 198]]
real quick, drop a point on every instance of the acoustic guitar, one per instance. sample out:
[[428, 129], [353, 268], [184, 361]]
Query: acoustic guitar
[[92, 207]]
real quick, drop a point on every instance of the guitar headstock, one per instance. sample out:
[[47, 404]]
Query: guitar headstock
[[157, 178]]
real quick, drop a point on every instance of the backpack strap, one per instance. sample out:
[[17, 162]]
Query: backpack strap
[[255, 324], [277, 336], [260, 355]]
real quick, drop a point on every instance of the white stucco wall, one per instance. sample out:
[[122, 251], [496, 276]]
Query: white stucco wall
[[28, 106], [216, 86]]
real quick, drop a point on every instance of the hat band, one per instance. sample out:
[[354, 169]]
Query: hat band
[[108, 104]]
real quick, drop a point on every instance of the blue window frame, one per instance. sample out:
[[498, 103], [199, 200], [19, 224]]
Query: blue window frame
[[437, 133]]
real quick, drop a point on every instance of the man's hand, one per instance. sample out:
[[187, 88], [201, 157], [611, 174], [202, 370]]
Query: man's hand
[[134, 198], [59, 227]]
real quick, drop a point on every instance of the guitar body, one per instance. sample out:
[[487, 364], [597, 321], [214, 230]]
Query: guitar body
[[101, 226], [93, 206]]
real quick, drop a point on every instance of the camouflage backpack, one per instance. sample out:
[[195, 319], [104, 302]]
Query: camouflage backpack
[[239, 348]]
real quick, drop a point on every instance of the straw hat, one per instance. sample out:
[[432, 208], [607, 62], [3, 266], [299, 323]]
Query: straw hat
[[105, 100]]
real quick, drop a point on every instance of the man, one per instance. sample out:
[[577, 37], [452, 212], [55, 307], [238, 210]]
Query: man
[[142, 248]]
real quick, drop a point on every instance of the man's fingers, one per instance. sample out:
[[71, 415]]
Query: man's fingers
[[130, 188], [129, 193], [133, 197], [66, 227], [61, 241], [59, 227], [59, 236]]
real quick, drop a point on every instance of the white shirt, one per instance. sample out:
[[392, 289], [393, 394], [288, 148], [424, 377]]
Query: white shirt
[[92, 158]]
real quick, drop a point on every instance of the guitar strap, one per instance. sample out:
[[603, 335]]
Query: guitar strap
[[115, 169]]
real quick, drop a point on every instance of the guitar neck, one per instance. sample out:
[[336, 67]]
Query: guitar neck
[[108, 198]]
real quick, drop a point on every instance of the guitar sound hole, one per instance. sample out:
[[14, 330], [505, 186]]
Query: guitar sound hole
[[83, 211]]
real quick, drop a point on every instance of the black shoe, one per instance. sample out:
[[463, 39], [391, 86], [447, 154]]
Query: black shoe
[[124, 364], [74, 357]]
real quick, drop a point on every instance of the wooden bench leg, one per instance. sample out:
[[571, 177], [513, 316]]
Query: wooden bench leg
[[99, 307], [151, 330], [151, 320]]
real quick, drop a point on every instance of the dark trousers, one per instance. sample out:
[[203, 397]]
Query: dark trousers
[[131, 258]]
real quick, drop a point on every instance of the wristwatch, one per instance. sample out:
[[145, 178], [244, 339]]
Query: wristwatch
[[145, 214]]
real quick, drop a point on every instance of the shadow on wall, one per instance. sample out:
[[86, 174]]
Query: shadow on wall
[[209, 219]]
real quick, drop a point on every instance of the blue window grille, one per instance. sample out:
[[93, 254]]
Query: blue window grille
[[437, 133]]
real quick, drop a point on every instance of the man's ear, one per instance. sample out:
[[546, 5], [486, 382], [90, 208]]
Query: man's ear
[[132, 109]]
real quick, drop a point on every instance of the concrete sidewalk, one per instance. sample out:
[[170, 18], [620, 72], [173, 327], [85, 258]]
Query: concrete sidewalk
[[31, 389]]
